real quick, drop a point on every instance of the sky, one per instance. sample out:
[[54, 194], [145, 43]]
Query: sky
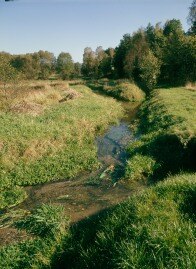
[[71, 25]]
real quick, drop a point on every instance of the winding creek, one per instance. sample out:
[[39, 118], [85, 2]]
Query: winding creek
[[88, 193], [92, 192]]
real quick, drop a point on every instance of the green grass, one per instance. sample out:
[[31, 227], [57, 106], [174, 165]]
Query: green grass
[[172, 110], [120, 89], [12, 196], [154, 229], [55, 145], [46, 227], [169, 133]]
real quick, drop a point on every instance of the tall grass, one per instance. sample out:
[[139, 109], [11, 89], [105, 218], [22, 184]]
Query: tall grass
[[120, 89], [169, 133], [153, 229], [46, 227], [56, 144]]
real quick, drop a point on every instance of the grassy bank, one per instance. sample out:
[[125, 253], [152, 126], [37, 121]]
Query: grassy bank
[[45, 228], [154, 229], [48, 133], [120, 89], [168, 141]]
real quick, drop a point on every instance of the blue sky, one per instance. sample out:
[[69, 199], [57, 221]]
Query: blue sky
[[72, 25]]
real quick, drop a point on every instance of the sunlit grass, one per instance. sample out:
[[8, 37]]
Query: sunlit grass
[[154, 229], [168, 130], [56, 144]]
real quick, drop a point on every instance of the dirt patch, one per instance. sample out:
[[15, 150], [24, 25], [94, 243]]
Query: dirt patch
[[70, 94], [27, 108], [11, 234]]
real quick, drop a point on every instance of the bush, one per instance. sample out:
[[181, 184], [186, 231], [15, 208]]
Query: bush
[[45, 221], [150, 70], [140, 167]]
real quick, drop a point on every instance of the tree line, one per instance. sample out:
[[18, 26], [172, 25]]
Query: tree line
[[159, 54], [155, 54], [40, 65]]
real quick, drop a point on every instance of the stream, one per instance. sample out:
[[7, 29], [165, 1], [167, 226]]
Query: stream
[[92, 192], [111, 147]]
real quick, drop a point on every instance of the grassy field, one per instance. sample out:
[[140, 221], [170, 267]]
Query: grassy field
[[47, 133], [154, 228], [46, 228], [168, 143]]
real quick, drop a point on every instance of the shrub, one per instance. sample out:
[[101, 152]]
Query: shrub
[[140, 167], [150, 70], [45, 221]]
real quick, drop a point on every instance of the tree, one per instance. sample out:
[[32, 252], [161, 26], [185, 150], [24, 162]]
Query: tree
[[192, 18], [28, 65], [156, 39], [171, 70], [187, 59], [77, 69], [47, 64], [173, 27], [150, 69], [120, 54], [8, 73], [138, 48], [65, 65], [89, 62]]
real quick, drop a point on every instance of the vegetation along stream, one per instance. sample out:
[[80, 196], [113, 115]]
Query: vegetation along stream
[[88, 193], [91, 192]]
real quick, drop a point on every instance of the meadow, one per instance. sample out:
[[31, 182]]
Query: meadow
[[47, 134], [76, 191], [154, 228]]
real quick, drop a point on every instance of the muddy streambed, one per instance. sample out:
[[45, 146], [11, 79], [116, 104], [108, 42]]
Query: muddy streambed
[[88, 193]]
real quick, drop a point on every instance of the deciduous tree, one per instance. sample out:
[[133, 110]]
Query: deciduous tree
[[65, 65]]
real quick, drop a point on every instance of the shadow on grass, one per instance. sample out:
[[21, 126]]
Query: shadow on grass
[[170, 153], [81, 236]]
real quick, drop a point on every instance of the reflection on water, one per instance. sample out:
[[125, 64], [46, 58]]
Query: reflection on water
[[111, 147], [113, 144]]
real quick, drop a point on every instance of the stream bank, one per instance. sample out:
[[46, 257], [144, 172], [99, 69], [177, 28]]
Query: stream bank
[[92, 192]]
